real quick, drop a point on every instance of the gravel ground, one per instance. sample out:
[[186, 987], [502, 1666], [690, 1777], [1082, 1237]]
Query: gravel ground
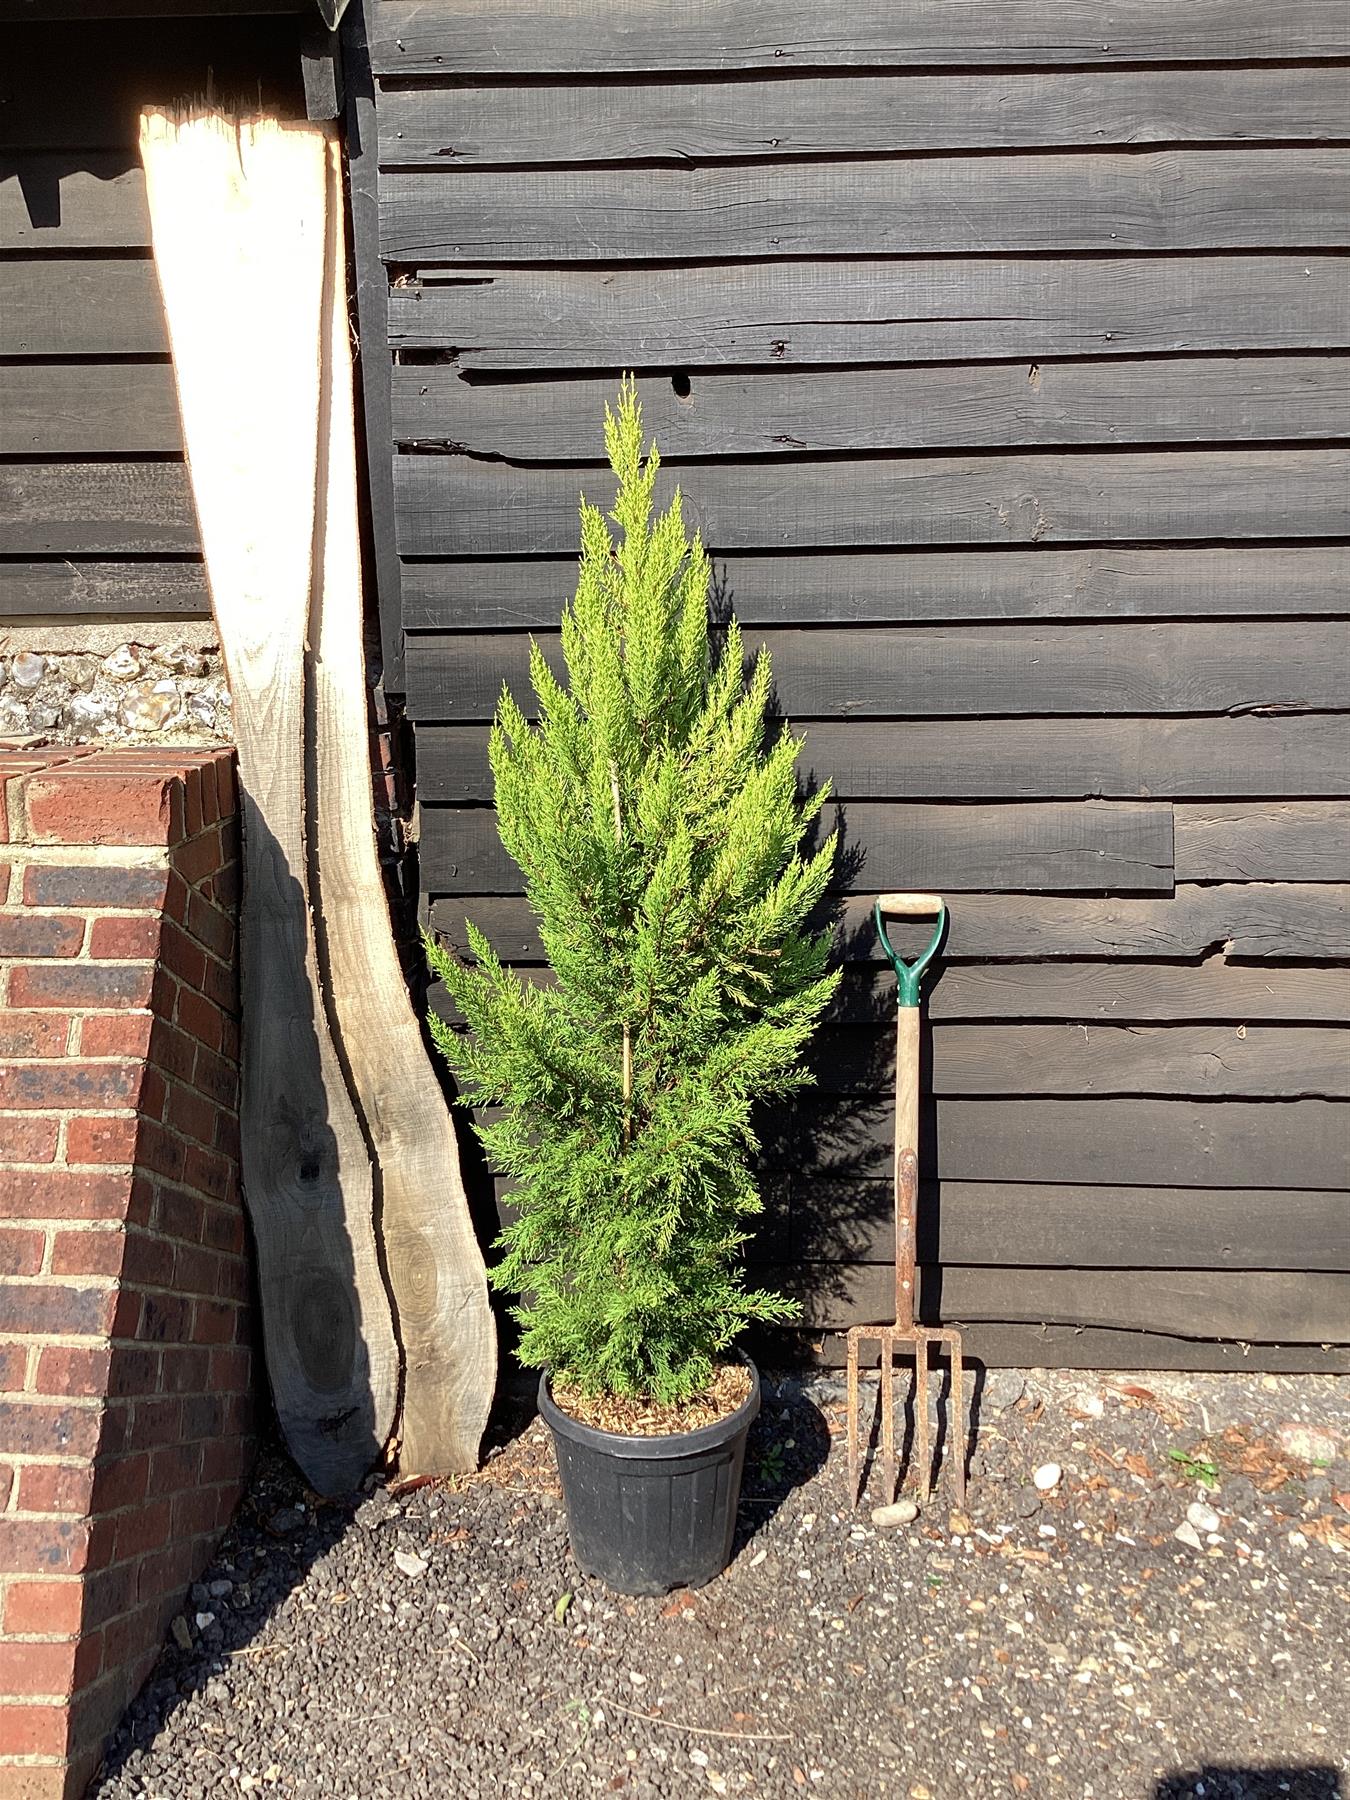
[[442, 1642]]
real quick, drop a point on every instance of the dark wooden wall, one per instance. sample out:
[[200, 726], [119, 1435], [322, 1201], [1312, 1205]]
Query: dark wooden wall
[[95, 514], [1000, 352]]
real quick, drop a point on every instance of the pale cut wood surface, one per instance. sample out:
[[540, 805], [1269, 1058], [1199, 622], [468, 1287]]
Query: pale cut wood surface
[[435, 1266], [231, 208]]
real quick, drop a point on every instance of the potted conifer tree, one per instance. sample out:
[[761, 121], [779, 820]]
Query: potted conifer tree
[[656, 820]]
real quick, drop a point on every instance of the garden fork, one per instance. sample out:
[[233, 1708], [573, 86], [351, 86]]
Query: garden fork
[[905, 1332]]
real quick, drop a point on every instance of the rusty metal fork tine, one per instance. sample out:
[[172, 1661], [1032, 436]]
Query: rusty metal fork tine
[[923, 1452], [854, 1495], [886, 1376], [957, 1426]]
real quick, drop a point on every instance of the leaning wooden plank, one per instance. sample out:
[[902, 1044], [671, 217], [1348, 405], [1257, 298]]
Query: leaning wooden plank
[[1275, 1306], [450, 506], [76, 201], [459, 126], [1105, 400], [913, 588], [1167, 1143], [235, 202], [85, 306], [1053, 1225], [939, 206], [789, 314], [147, 589], [82, 409], [1026, 848], [96, 508], [434, 1264], [1003, 1346], [1274, 922], [427, 37], [1266, 841], [978, 671], [1215, 1061]]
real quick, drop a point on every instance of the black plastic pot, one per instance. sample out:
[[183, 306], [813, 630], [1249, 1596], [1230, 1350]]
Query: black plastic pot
[[647, 1514]]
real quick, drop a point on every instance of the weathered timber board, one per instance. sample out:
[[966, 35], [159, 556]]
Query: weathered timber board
[[898, 587], [75, 200], [452, 505], [1269, 841], [1026, 759], [939, 206], [1167, 1143], [81, 409], [1108, 400], [977, 670], [1274, 922], [789, 314], [1004, 1346], [1275, 1305], [84, 10], [587, 122], [165, 589], [94, 306], [141, 508], [1096, 846], [1215, 1061], [426, 37], [1057, 1226]]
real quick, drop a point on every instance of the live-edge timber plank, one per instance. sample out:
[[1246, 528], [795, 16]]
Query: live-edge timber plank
[[578, 121], [84, 306], [1266, 841], [786, 314], [903, 588], [451, 505], [140, 508], [1106, 400], [427, 37], [1271, 922], [1057, 1226], [72, 201], [940, 206], [1026, 759], [1275, 1305], [146, 589], [1055, 847], [977, 671], [81, 409]]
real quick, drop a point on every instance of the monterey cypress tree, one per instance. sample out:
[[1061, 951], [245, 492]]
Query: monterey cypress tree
[[657, 823]]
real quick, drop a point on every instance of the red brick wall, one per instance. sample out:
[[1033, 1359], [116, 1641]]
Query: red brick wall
[[125, 1330]]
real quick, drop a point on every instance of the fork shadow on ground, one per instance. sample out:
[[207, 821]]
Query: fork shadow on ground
[[1231, 1782]]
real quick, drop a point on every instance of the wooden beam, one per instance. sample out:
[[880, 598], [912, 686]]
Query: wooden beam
[[82, 409], [912, 588], [978, 671], [449, 505], [1022, 759], [1104, 400], [1271, 922], [425, 37], [1265, 841], [143, 589], [97, 508], [939, 206], [790, 314], [578, 121], [1028, 848]]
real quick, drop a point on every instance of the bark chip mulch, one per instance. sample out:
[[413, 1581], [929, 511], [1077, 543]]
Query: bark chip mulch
[[728, 1390], [1169, 1620]]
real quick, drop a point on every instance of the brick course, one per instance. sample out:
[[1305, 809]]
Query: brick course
[[126, 1363]]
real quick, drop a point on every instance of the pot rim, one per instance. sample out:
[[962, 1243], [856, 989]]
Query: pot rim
[[668, 1447]]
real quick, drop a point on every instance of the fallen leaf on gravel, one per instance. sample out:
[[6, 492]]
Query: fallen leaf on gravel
[[411, 1565], [1021, 1783], [682, 1602], [1343, 1500], [560, 1606], [1137, 1465], [853, 1604]]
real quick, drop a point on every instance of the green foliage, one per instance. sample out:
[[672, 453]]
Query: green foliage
[[658, 826]]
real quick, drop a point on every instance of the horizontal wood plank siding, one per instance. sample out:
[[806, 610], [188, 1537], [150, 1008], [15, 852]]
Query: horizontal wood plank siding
[[1001, 359], [93, 493]]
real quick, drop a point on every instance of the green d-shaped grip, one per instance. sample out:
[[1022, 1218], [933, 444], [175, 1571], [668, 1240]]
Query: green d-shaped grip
[[908, 975]]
